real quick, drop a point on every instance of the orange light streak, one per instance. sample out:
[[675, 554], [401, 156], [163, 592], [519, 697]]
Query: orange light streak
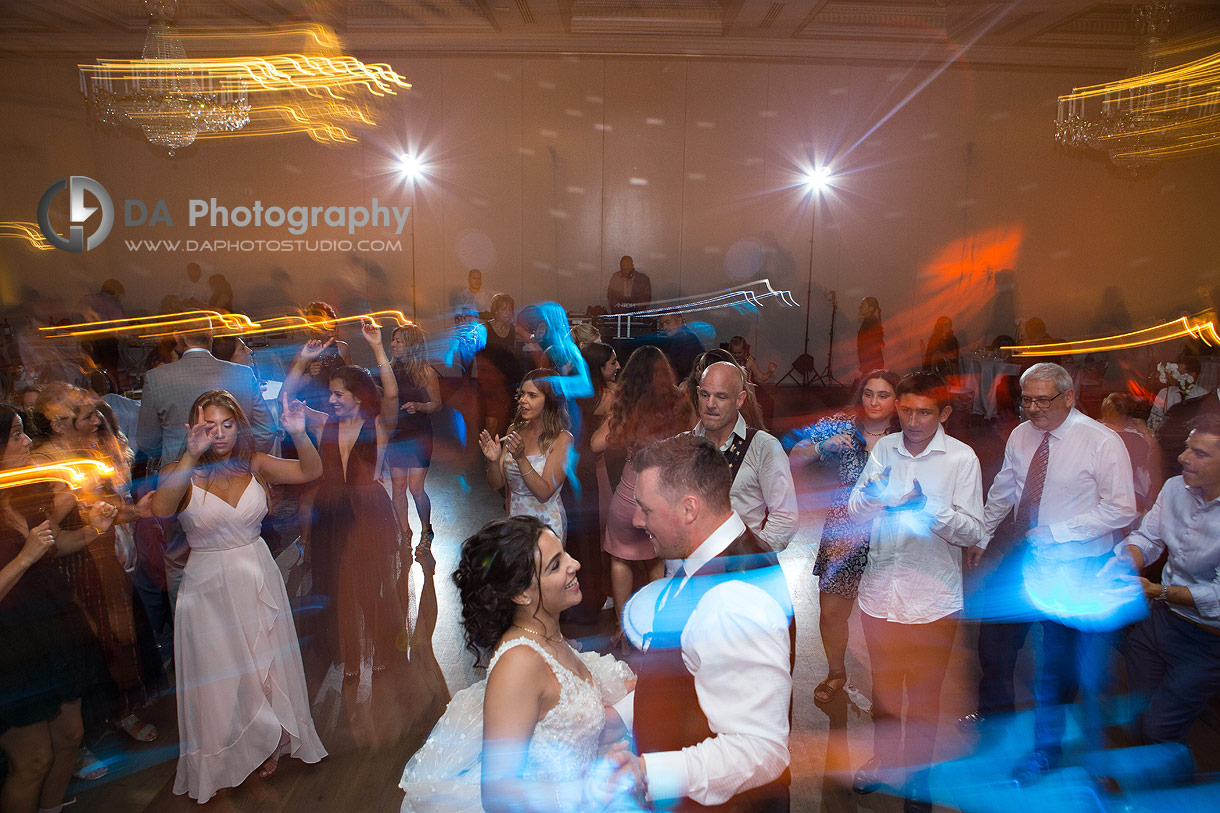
[[1201, 328], [29, 232], [144, 323], [71, 473]]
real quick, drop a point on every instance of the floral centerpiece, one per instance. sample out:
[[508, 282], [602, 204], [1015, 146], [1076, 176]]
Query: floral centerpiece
[[1169, 370]]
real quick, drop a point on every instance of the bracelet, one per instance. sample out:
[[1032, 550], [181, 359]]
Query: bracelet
[[385, 363], [1164, 596], [820, 442]]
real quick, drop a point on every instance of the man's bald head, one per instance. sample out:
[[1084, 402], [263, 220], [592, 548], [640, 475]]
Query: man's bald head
[[725, 374], [721, 394]]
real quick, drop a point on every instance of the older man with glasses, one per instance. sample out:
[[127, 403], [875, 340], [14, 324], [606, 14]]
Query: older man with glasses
[[1067, 481]]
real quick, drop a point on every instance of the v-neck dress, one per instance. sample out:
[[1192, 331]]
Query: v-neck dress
[[354, 543], [238, 665]]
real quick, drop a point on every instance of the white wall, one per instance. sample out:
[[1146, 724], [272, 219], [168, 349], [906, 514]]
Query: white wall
[[535, 171]]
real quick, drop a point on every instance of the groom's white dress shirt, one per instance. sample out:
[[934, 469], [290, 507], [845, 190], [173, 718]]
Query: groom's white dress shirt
[[736, 647]]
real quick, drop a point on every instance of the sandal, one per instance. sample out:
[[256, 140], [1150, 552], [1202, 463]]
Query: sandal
[[425, 537], [829, 688], [269, 767], [88, 766], [137, 729]]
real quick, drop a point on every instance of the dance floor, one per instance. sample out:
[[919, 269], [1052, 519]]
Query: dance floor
[[828, 742]]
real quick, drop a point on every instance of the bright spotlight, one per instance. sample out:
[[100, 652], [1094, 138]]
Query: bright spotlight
[[818, 179], [411, 165]]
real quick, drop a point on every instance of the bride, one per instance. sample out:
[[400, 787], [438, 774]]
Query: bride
[[537, 734]]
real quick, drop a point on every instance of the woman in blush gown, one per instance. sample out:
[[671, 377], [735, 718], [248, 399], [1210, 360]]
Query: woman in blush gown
[[539, 733], [242, 700]]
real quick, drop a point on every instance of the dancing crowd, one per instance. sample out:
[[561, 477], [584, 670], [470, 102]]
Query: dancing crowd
[[648, 483]]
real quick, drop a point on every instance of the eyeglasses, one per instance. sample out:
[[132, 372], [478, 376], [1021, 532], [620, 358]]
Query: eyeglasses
[[1042, 402]]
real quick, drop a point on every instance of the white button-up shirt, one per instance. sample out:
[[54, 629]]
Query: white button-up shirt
[[763, 493], [1089, 492], [914, 570], [736, 647], [1188, 524]]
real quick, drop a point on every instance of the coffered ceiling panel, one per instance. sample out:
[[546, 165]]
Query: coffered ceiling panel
[[1026, 33]]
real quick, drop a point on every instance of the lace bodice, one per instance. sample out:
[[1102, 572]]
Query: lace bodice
[[445, 773], [565, 739]]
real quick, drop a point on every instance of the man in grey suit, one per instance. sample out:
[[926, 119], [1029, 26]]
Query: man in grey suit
[[169, 391]]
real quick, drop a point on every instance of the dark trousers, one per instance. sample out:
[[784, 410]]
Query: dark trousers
[[999, 645], [996, 596], [1176, 665], [1069, 662], [914, 657]]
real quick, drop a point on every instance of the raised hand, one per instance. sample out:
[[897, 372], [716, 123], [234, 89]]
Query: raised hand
[[489, 446], [199, 436], [772, 367], [371, 332], [878, 483], [293, 417], [314, 347], [39, 540]]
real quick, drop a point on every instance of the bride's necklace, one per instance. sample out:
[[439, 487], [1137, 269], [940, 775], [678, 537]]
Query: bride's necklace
[[538, 633], [875, 434]]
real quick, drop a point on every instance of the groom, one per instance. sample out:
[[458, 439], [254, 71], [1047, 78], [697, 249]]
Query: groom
[[711, 708]]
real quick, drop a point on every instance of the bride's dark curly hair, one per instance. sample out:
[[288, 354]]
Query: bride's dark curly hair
[[497, 563]]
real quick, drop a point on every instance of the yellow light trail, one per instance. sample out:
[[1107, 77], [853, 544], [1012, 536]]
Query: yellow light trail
[[1202, 328], [22, 230], [144, 323], [71, 473]]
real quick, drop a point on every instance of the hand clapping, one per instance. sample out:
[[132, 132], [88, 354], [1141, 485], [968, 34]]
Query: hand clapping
[[489, 446]]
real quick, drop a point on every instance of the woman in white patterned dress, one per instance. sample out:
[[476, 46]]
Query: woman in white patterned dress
[[533, 459], [536, 735]]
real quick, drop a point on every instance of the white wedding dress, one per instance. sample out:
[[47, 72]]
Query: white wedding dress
[[445, 773], [239, 676]]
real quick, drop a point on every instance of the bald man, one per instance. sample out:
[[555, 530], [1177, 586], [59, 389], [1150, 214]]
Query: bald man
[[763, 493]]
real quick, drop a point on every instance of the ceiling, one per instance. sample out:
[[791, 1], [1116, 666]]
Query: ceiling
[[1050, 34]]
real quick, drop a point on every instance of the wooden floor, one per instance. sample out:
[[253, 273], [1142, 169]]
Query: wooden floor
[[827, 742]]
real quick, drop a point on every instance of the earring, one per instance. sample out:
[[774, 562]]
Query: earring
[[528, 600]]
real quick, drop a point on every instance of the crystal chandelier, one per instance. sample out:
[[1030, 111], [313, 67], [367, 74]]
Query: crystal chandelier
[[170, 98], [1157, 112]]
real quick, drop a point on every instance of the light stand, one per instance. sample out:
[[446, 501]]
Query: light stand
[[805, 365], [412, 167]]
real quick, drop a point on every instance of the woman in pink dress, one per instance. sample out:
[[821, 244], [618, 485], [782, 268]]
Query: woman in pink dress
[[242, 700], [648, 406]]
